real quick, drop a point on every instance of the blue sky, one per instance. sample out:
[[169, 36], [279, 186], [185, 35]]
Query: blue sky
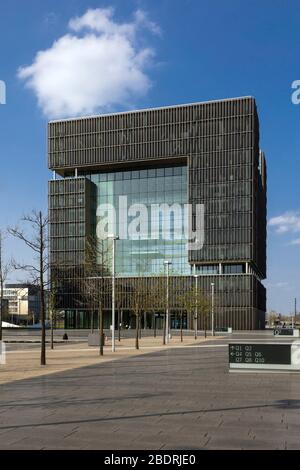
[[180, 51]]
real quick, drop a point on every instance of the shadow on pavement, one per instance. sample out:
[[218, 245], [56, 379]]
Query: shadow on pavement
[[281, 404]]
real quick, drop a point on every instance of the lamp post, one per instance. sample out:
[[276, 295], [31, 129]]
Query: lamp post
[[196, 315], [114, 238], [294, 320], [167, 338], [212, 308]]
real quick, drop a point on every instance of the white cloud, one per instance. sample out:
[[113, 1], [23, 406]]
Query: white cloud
[[277, 285], [50, 19], [289, 222], [143, 20], [101, 21], [95, 67], [295, 242]]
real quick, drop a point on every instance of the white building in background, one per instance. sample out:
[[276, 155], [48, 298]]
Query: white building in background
[[23, 303]]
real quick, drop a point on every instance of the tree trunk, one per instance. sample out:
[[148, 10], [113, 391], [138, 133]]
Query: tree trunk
[[43, 344], [181, 325], [101, 329], [137, 346], [164, 330], [140, 326], [52, 320]]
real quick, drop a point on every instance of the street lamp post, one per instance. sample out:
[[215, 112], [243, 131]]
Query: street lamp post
[[212, 308], [167, 338], [114, 238], [196, 314]]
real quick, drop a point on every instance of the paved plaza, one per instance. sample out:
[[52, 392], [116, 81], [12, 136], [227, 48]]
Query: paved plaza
[[178, 398]]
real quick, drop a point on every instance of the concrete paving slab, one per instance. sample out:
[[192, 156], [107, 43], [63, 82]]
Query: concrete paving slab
[[165, 399]]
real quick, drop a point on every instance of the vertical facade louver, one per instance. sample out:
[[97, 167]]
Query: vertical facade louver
[[218, 144]]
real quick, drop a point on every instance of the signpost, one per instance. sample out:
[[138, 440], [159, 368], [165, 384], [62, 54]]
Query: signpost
[[286, 332], [272, 356]]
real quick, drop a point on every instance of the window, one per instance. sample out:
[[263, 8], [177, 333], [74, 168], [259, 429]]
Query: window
[[234, 269], [207, 269]]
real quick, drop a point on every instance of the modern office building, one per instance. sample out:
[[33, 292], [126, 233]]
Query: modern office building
[[23, 303], [205, 155]]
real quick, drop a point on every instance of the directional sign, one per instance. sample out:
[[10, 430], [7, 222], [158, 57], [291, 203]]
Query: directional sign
[[260, 354], [284, 332]]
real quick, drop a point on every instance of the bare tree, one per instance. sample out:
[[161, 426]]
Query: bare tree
[[152, 298], [156, 300], [4, 271], [194, 300], [52, 302], [37, 241], [95, 285], [154, 306], [181, 325], [139, 300], [272, 318]]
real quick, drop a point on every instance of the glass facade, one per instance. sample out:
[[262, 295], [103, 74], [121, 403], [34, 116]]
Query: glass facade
[[158, 241], [207, 269], [234, 269]]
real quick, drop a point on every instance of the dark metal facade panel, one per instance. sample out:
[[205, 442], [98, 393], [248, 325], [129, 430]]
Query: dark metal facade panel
[[227, 181], [152, 134], [71, 219]]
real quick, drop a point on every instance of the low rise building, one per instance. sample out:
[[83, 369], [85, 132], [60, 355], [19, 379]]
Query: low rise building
[[23, 303]]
